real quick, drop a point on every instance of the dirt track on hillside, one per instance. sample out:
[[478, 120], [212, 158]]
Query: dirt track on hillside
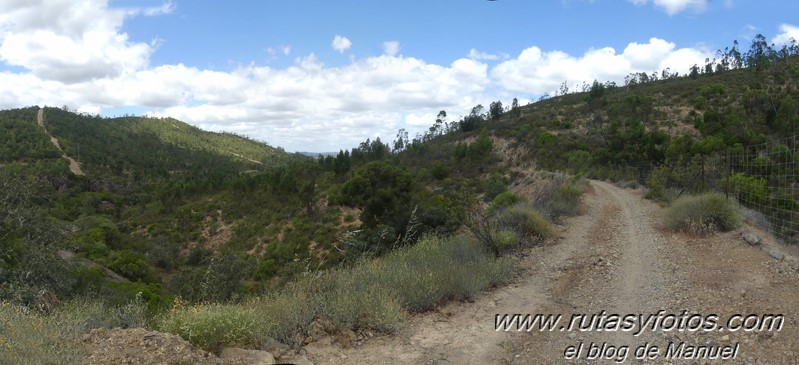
[[614, 258], [74, 167]]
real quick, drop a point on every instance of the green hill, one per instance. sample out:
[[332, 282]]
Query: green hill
[[214, 217], [165, 213]]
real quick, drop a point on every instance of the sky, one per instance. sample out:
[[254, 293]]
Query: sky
[[324, 75]]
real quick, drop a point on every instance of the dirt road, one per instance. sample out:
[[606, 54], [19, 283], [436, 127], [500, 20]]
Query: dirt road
[[74, 167], [617, 259]]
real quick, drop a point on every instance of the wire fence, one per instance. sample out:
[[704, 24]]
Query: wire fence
[[762, 178]]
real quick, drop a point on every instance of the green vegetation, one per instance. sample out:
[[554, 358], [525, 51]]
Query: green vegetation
[[375, 294], [30, 338], [523, 220], [245, 242], [703, 214]]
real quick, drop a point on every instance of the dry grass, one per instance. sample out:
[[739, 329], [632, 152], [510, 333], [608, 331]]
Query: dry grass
[[703, 214], [375, 294]]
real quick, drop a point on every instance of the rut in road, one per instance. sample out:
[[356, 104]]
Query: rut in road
[[465, 333], [615, 259], [74, 166]]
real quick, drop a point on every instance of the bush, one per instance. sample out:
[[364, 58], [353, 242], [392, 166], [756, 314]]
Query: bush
[[656, 184], [30, 338], [556, 194], [494, 186], [506, 239], [566, 201], [27, 338], [749, 190], [375, 293], [505, 199], [214, 326], [703, 214], [526, 221], [356, 301]]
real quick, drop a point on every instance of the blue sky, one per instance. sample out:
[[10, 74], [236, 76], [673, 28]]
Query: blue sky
[[325, 75]]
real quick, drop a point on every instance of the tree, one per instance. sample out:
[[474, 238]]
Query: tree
[[515, 111], [402, 140], [495, 109], [382, 190], [760, 53], [30, 267], [694, 72], [474, 119], [597, 90], [441, 118]]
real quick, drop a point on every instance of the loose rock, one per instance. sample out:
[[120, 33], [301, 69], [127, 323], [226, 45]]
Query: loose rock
[[752, 239], [776, 254]]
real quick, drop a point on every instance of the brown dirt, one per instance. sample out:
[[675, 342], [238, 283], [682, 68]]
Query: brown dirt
[[139, 346], [218, 237], [617, 258], [142, 347], [74, 167]]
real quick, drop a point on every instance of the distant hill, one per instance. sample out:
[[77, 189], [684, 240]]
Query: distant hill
[[215, 216], [317, 154]]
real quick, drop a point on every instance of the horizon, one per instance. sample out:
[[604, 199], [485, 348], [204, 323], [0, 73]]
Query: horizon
[[292, 75]]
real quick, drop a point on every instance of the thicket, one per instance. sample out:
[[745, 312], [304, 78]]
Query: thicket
[[173, 209], [702, 214]]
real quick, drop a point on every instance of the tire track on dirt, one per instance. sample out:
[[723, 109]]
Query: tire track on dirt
[[614, 258], [464, 333], [622, 269]]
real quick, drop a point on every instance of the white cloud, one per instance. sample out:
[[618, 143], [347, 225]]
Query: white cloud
[[273, 52], [787, 32], [475, 55], [341, 44], [167, 8], [672, 7], [535, 71], [391, 48], [482, 56], [71, 41], [73, 52]]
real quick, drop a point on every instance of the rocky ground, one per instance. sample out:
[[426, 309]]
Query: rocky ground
[[614, 259]]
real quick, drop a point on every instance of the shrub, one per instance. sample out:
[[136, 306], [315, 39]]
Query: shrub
[[439, 171], [505, 199], [656, 184], [213, 326], [356, 300], [506, 239], [566, 200], [373, 293], [30, 338], [287, 315], [703, 214], [494, 186], [526, 221], [749, 190]]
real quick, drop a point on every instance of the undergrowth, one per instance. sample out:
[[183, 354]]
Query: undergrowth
[[373, 294], [703, 214]]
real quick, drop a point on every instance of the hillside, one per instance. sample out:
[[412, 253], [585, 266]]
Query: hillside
[[125, 174], [231, 242], [614, 259]]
